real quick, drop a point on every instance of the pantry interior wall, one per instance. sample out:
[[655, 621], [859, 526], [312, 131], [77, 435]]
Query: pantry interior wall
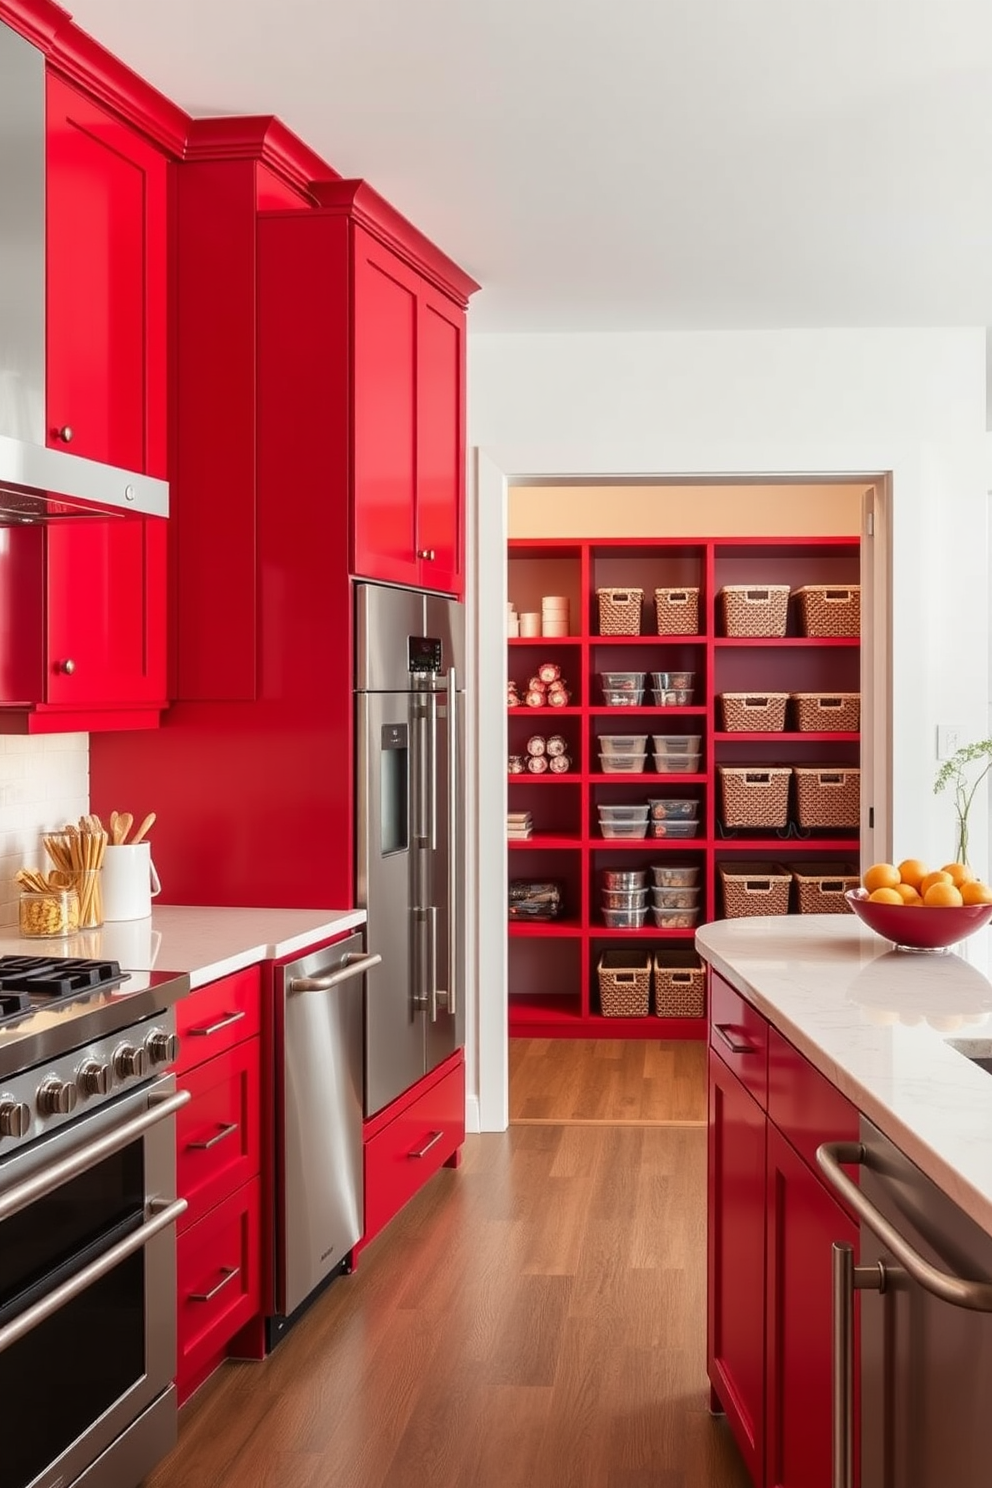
[[906, 404]]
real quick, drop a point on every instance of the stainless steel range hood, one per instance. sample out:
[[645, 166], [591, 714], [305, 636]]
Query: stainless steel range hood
[[38, 484]]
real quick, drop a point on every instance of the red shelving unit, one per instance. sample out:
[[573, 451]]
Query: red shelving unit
[[554, 989]]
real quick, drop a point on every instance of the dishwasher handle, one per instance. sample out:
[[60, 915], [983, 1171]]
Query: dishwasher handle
[[351, 966], [958, 1290], [845, 1279]]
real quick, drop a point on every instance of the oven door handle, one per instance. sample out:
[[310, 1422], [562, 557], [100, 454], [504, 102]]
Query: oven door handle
[[163, 1214], [57, 1173]]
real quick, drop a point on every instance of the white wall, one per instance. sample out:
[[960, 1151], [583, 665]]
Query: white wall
[[44, 783], [909, 402]]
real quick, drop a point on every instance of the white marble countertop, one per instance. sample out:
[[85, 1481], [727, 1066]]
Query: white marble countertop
[[876, 1022], [208, 943]]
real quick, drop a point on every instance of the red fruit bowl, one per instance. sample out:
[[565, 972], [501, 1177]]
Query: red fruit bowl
[[914, 927]]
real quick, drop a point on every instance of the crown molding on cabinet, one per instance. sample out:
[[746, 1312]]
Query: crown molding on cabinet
[[261, 137]]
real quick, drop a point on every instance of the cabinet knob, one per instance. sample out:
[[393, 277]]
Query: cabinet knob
[[68, 666], [65, 433], [427, 553]]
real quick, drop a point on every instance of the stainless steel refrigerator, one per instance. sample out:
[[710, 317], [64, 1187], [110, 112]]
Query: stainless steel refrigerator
[[409, 666]]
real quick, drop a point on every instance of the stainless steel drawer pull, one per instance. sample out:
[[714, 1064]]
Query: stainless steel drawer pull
[[163, 1214], [736, 1046], [225, 1131], [224, 1022], [350, 967], [230, 1272], [432, 1141]]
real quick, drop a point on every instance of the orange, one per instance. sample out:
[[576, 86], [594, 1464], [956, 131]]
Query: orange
[[908, 894], [881, 876], [960, 873], [911, 871], [942, 896], [940, 877], [885, 896], [975, 892]]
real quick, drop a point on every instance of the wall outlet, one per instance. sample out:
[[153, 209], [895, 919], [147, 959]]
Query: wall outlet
[[948, 740]]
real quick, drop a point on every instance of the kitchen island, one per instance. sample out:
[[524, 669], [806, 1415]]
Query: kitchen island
[[821, 1032]]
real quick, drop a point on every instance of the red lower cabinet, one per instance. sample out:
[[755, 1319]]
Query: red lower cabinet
[[219, 1283], [803, 1223], [770, 1227], [736, 1260], [408, 1141], [218, 1164]]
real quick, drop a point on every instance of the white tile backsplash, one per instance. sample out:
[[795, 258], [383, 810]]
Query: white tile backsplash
[[44, 783]]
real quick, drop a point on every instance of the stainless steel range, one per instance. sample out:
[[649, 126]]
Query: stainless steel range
[[87, 1221]]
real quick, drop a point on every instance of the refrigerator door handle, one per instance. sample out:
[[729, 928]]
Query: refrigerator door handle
[[449, 996], [420, 993], [421, 783], [432, 959]]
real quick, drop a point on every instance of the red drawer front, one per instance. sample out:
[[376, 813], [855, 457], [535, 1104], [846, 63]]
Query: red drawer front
[[404, 1154], [803, 1104], [218, 1134], [739, 1034], [218, 1281], [218, 1016]]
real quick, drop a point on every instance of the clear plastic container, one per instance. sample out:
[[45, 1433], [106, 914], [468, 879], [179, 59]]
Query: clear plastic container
[[677, 809], [625, 919], [675, 898], [627, 898], [624, 878], [623, 743], [676, 743], [623, 681], [676, 764], [675, 919], [674, 828], [624, 829], [623, 813], [617, 699], [674, 875], [672, 697], [673, 679], [623, 764]]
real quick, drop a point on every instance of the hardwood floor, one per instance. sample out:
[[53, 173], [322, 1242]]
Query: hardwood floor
[[534, 1319], [649, 1081]]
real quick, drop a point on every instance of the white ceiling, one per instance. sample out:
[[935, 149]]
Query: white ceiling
[[632, 164]]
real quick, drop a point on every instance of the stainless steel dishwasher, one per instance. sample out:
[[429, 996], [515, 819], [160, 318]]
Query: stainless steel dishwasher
[[925, 1278], [319, 1023]]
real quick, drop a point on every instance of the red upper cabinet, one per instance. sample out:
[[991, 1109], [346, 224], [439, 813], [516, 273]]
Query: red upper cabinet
[[409, 370], [106, 285]]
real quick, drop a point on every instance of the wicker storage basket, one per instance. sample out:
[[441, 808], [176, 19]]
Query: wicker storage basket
[[829, 609], [820, 887], [754, 795], [679, 985], [620, 611], [755, 609], [624, 983], [827, 796], [753, 712], [754, 889], [829, 712], [677, 611]]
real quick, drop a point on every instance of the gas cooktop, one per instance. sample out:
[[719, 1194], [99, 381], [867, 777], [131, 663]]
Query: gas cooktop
[[52, 1004], [33, 981]]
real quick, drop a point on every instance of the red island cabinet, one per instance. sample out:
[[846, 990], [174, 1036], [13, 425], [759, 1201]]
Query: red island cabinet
[[85, 648], [771, 1225]]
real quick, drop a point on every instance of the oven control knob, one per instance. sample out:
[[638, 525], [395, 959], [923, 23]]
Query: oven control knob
[[56, 1097], [94, 1077], [130, 1062], [162, 1047], [15, 1118]]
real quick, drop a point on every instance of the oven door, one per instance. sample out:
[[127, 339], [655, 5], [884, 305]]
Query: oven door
[[88, 1291]]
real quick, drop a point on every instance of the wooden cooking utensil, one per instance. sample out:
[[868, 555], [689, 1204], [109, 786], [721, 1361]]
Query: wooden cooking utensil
[[148, 822], [124, 822]]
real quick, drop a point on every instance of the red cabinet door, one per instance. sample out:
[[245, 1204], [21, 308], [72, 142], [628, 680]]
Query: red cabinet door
[[736, 1260], [440, 441], [803, 1222], [106, 195], [384, 398]]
